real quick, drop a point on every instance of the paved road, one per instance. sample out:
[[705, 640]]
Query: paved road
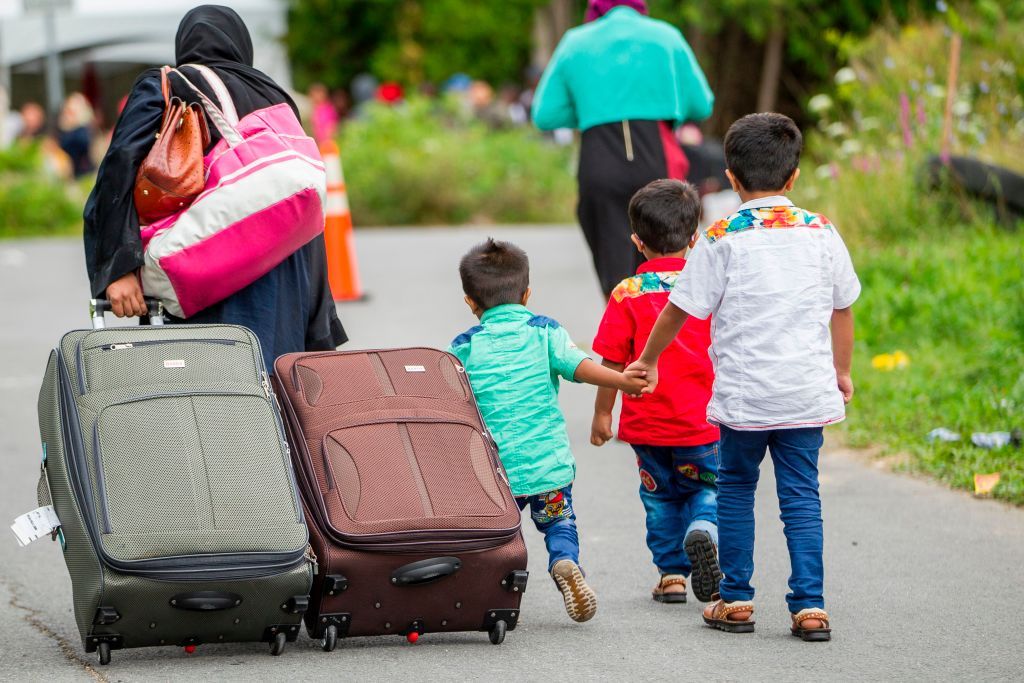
[[921, 582]]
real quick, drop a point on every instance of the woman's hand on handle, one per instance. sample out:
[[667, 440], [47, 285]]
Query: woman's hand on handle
[[125, 296]]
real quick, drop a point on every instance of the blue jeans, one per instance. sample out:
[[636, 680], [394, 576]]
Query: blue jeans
[[553, 516], [795, 455], [679, 492]]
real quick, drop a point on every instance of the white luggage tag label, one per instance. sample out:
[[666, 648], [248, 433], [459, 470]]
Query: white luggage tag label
[[35, 524], [415, 368], [174, 363]]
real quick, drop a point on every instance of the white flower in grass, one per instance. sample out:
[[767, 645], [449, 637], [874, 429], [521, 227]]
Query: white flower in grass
[[837, 129], [845, 75], [819, 103], [961, 108], [824, 171], [850, 147]]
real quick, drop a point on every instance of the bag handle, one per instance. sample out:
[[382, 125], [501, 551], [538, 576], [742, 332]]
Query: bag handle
[[220, 121], [165, 87], [220, 90]]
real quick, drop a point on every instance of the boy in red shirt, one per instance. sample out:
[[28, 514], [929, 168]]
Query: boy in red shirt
[[676, 448]]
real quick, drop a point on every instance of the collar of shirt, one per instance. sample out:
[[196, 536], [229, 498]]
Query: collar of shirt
[[764, 202], [505, 312], [661, 265]]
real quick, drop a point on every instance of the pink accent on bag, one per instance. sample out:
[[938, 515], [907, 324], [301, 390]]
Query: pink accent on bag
[[264, 199]]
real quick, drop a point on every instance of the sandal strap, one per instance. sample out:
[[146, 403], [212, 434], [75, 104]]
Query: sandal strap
[[723, 609], [811, 613], [672, 580]]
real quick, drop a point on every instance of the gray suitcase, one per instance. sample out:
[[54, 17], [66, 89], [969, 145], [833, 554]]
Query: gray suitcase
[[165, 459]]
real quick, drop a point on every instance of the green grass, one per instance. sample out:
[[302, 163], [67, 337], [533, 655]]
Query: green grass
[[941, 281], [955, 306]]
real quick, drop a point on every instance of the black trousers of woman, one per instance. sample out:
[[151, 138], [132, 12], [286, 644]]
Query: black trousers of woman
[[616, 160]]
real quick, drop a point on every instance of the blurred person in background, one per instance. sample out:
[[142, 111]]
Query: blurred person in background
[[75, 132], [624, 80], [324, 115], [33, 122]]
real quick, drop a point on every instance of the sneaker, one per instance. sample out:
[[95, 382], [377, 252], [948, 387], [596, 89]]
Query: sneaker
[[580, 601], [704, 557]]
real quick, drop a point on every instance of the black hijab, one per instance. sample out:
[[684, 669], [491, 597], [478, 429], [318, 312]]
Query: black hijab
[[215, 36]]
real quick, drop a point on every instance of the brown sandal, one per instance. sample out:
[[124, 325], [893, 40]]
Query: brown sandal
[[659, 593], [718, 613], [817, 634]]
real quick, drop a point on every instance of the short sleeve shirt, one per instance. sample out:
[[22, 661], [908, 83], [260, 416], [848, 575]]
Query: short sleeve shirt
[[770, 277], [515, 360], [676, 413]]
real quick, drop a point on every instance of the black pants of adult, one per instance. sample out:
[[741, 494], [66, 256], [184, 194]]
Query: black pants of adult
[[616, 160]]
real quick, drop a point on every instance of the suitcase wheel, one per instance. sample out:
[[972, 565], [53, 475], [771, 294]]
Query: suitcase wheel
[[104, 652], [497, 632], [277, 645], [330, 639]]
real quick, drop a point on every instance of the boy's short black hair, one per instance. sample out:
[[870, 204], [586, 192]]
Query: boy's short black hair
[[664, 215], [495, 273], [763, 150]]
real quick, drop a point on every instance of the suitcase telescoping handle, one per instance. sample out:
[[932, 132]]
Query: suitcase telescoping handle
[[154, 316], [425, 571]]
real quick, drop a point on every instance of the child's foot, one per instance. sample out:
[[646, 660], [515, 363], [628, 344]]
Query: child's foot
[[812, 625], [732, 617], [671, 588], [580, 601], [704, 557]]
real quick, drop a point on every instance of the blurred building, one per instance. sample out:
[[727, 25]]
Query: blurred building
[[104, 44]]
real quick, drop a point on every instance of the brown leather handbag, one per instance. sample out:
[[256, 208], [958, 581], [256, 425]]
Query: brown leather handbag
[[172, 176]]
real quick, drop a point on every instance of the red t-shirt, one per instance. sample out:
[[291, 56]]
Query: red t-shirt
[[676, 413]]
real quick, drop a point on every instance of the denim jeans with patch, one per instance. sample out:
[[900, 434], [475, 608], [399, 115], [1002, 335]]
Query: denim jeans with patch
[[554, 517], [795, 455], [678, 487]]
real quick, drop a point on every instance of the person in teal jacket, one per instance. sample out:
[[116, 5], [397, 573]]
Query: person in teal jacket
[[625, 80]]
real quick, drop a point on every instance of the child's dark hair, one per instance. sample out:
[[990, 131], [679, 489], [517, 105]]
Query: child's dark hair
[[664, 215], [763, 150], [495, 273]]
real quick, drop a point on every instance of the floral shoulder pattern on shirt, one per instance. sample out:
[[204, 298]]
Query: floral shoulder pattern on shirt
[[767, 217], [645, 283]]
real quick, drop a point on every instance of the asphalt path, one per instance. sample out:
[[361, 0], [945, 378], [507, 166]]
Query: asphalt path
[[921, 582]]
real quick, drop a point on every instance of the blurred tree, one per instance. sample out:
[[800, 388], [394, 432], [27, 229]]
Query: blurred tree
[[410, 41], [330, 41], [751, 47]]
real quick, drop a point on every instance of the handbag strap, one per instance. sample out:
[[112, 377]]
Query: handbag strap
[[220, 121], [165, 87], [227, 105]]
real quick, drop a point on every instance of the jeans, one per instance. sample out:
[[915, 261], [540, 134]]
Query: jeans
[[553, 516], [795, 455], [679, 492]]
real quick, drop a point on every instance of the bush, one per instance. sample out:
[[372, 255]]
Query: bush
[[940, 281], [31, 202], [423, 163]]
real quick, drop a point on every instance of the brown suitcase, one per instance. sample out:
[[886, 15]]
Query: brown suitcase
[[410, 513]]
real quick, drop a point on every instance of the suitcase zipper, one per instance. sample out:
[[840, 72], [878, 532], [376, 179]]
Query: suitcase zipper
[[80, 351], [157, 342]]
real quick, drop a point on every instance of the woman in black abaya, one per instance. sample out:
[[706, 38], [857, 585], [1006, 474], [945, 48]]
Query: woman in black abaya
[[290, 308]]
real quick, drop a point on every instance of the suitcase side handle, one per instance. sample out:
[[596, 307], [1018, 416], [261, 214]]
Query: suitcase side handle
[[425, 571], [206, 601], [154, 315]]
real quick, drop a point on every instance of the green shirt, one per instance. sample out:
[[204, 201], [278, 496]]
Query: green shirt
[[514, 359], [620, 67]]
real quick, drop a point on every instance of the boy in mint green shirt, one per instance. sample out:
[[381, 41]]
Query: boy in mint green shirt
[[514, 360]]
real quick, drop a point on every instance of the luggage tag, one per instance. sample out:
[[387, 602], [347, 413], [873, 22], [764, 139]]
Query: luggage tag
[[34, 525]]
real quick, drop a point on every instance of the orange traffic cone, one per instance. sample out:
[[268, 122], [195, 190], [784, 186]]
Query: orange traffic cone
[[342, 270]]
